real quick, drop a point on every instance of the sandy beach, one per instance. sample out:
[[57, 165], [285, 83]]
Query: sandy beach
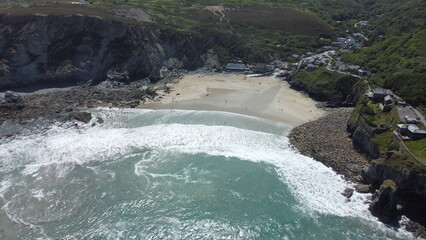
[[264, 97]]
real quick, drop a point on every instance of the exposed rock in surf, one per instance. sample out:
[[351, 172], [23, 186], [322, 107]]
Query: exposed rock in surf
[[384, 204], [348, 192], [363, 188], [80, 116]]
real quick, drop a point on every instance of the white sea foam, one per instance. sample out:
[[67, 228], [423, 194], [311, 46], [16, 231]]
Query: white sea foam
[[316, 187], [314, 184]]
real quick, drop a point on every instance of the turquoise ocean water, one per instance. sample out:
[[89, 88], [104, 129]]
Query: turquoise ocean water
[[163, 174]]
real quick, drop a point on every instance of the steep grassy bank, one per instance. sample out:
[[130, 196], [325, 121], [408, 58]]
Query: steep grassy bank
[[325, 85]]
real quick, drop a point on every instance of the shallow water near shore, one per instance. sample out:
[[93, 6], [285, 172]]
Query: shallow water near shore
[[162, 174]]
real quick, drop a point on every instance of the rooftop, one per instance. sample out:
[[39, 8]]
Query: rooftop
[[412, 128], [382, 91]]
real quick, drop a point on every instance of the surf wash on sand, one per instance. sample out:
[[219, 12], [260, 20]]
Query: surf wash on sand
[[173, 174]]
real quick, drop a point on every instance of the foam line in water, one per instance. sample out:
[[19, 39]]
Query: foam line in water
[[313, 183], [317, 188]]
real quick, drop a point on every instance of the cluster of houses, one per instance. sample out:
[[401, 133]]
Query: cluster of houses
[[353, 69], [361, 24], [407, 130], [345, 43]]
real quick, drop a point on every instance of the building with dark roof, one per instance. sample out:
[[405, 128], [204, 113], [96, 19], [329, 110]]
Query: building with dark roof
[[379, 94], [410, 132]]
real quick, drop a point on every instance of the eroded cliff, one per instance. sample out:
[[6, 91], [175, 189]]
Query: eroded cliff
[[53, 48]]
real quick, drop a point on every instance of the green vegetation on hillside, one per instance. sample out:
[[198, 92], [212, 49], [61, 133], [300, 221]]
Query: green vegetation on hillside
[[383, 122], [402, 161], [397, 63], [328, 84], [418, 148], [258, 31]]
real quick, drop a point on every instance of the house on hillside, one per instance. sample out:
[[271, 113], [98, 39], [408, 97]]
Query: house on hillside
[[402, 103], [311, 67], [388, 100], [327, 48], [410, 132], [362, 73], [361, 24], [338, 44], [351, 43], [236, 67], [349, 68], [409, 119], [379, 94], [341, 39]]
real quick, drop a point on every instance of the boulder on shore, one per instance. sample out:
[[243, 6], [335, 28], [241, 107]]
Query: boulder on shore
[[384, 204], [362, 188], [80, 116], [12, 97]]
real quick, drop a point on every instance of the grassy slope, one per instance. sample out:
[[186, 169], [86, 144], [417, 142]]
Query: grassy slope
[[326, 82], [403, 161], [398, 63], [375, 118], [418, 148], [398, 57]]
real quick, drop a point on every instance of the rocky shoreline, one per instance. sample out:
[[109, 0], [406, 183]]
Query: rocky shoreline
[[327, 141], [107, 94]]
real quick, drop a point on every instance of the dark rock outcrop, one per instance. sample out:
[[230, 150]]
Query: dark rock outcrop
[[411, 186], [384, 204], [362, 136], [80, 116], [12, 97], [348, 192], [54, 48], [363, 188]]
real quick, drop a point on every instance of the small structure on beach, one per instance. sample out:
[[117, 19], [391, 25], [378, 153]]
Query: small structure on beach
[[410, 132], [263, 68], [81, 2], [236, 67]]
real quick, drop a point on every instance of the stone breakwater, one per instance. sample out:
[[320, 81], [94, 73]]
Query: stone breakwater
[[327, 141]]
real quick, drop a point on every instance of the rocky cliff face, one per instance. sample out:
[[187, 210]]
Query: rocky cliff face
[[411, 190], [362, 136], [384, 204], [52, 48]]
